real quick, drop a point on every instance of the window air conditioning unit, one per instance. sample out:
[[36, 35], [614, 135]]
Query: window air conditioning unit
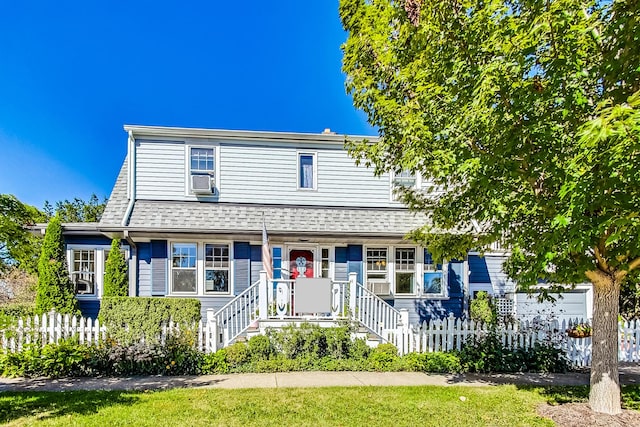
[[379, 288], [201, 184]]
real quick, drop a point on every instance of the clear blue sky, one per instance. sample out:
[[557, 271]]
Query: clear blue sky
[[72, 73]]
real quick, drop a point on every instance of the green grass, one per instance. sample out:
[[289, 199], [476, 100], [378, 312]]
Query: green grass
[[343, 406]]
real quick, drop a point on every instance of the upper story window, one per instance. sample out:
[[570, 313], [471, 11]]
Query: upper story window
[[400, 180], [183, 267], [216, 268], [83, 272], [306, 171], [405, 267], [202, 160]]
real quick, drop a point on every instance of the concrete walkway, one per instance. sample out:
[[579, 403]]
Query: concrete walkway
[[629, 374]]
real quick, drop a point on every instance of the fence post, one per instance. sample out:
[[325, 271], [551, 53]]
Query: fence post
[[52, 326], [212, 331], [263, 296], [353, 293]]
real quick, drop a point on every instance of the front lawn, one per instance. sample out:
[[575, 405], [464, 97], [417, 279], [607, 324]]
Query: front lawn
[[343, 406]]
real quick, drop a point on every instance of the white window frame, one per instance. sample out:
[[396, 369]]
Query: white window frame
[[331, 258], [314, 156], [389, 265], [200, 268], [415, 270], [172, 268], [215, 174], [228, 268], [444, 268], [99, 266], [393, 195]]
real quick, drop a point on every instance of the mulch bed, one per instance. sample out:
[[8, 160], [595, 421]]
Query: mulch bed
[[580, 415]]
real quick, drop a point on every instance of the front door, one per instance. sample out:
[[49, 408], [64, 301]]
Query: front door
[[301, 263]]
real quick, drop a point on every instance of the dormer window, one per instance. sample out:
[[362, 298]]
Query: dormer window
[[400, 180], [202, 160], [306, 171], [202, 168]]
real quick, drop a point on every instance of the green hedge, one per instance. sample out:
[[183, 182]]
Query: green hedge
[[128, 320]]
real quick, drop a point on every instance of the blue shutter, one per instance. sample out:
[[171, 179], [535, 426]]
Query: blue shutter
[[354, 260], [341, 270], [241, 255], [158, 267]]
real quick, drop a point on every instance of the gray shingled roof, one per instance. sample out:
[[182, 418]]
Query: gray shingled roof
[[117, 205], [229, 218], [169, 216]]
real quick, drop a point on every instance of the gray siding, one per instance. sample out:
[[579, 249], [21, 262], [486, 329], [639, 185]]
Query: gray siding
[[160, 170], [260, 174]]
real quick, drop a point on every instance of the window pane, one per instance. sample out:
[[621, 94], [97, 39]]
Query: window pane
[[433, 283], [404, 283], [216, 281], [83, 273], [377, 259], [202, 159], [306, 171], [405, 259], [184, 280]]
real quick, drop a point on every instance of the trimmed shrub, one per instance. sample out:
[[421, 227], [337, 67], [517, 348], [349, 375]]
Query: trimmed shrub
[[237, 355], [55, 289], [116, 279], [130, 320], [260, 347], [446, 363], [483, 310], [383, 357]]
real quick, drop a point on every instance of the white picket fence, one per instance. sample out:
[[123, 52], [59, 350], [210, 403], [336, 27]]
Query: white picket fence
[[451, 334], [437, 335]]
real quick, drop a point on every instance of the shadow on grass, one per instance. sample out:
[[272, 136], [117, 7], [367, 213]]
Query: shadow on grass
[[46, 404], [559, 395]]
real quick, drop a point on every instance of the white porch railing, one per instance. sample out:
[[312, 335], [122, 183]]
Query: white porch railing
[[235, 317], [374, 313]]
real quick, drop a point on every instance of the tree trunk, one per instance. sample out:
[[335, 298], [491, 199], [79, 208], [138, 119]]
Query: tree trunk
[[604, 395]]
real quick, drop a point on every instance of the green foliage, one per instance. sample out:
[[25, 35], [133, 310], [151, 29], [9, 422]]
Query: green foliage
[[116, 279], [260, 347], [237, 355], [312, 341], [483, 310], [55, 290], [77, 210], [525, 116], [65, 359], [488, 354], [130, 320], [383, 357], [18, 247], [215, 363]]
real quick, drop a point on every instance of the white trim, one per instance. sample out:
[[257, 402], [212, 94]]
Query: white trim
[[243, 135], [314, 155], [200, 269], [390, 279], [215, 146], [392, 268], [99, 265], [416, 186]]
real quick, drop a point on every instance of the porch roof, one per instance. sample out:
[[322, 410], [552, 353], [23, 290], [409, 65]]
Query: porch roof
[[279, 219]]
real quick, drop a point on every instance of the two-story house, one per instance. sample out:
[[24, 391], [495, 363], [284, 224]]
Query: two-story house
[[192, 205]]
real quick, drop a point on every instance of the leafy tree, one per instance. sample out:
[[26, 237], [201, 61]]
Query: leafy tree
[[55, 289], [18, 247], [116, 280], [77, 210], [523, 116]]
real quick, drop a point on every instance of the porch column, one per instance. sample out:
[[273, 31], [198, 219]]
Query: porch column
[[263, 296], [353, 293]]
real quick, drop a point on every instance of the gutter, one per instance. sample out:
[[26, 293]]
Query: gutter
[[132, 179]]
